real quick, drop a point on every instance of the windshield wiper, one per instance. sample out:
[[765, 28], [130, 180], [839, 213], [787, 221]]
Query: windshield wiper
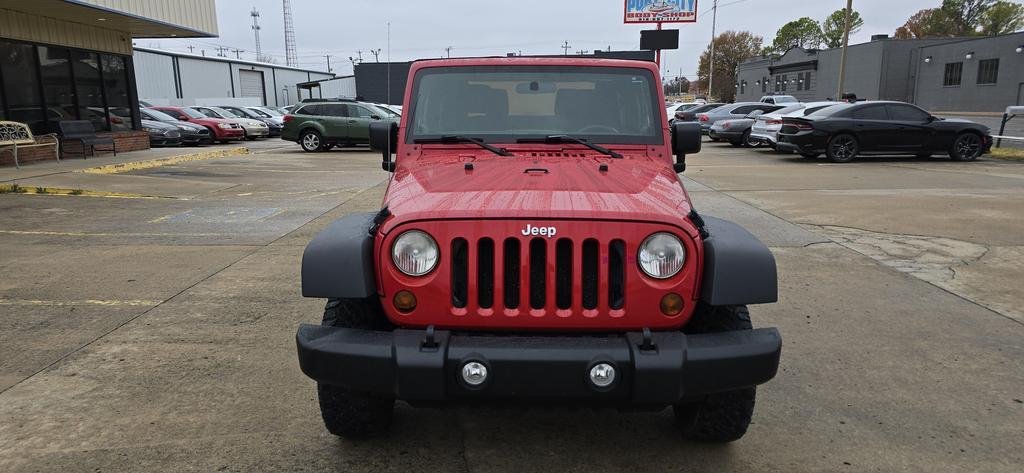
[[465, 139], [552, 139]]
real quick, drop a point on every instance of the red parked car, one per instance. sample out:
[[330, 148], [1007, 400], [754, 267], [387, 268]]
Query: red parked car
[[222, 130], [535, 244]]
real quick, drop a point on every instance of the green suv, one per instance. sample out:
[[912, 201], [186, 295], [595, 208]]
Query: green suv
[[320, 126]]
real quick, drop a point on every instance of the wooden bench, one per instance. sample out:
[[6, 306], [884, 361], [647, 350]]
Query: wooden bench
[[15, 135], [83, 132]]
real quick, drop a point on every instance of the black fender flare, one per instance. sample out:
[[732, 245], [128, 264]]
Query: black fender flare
[[738, 268], [338, 262]]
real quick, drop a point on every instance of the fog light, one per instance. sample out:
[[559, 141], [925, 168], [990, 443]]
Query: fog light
[[474, 373], [405, 301], [671, 305], [602, 375]]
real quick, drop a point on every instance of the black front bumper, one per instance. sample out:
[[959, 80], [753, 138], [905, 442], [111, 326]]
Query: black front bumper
[[543, 368]]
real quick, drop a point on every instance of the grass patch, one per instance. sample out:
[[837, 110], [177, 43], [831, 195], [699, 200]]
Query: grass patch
[[1014, 154], [41, 190], [75, 192], [12, 189]]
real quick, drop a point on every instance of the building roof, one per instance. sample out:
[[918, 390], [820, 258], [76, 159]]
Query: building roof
[[226, 59], [121, 19]]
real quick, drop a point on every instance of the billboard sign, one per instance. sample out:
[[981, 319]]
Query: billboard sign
[[660, 11]]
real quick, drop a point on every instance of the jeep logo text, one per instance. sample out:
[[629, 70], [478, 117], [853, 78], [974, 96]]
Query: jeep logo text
[[542, 231]]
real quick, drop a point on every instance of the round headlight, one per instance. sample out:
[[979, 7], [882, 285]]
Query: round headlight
[[662, 255], [414, 253]]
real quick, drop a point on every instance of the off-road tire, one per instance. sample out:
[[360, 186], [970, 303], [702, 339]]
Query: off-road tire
[[725, 416], [842, 148], [967, 147], [346, 413], [311, 141]]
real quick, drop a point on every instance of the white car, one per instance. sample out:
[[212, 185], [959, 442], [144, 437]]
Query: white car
[[766, 128], [680, 107], [253, 128]]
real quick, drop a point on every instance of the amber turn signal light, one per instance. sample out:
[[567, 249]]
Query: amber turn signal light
[[404, 301], [671, 305]]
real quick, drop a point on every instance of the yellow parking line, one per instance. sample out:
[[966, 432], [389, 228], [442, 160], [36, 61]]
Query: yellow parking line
[[99, 234], [34, 190], [153, 163]]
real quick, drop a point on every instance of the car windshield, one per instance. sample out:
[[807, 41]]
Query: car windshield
[[387, 112], [159, 116], [224, 113], [788, 109], [238, 112], [508, 103], [192, 113], [259, 113], [827, 111]]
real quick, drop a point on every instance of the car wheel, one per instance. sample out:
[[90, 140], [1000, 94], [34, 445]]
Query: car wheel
[[348, 413], [842, 148], [810, 155], [311, 142], [967, 147], [736, 143], [747, 141], [724, 416]]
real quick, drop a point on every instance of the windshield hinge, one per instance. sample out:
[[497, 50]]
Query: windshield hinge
[[698, 221], [379, 219]]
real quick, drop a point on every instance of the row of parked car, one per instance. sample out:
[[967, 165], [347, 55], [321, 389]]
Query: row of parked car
[[839, 130], [174, 126]]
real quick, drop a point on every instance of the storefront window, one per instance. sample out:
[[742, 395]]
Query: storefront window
[[58, 88], [20, 86], [88, 86], [115, 84]]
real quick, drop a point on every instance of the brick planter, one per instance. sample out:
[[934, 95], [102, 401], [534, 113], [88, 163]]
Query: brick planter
[[126, 141]]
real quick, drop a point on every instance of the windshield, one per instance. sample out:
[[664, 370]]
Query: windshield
[[259, 113], [271, 111], [507, 103], [830, 110], [788, 109], [224, 113], [192, 113], [159, 116], [387, 112], [238, 112]]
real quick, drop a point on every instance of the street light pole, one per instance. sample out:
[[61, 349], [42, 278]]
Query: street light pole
[[711, 70], [846, 44]]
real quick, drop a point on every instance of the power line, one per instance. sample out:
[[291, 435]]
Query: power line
[[566, 47]]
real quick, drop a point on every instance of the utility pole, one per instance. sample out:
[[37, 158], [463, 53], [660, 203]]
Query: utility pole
[[255, 14], [448, 52], [360, 54], [328, 56], [191, 48], [846, 43], [238, 53], [221, 50], [714, 24], [376, 54], [566, 47]]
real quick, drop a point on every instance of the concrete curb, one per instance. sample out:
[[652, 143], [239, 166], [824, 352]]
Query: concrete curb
[[153, 163]]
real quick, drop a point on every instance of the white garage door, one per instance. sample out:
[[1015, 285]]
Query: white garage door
[[252, 84]]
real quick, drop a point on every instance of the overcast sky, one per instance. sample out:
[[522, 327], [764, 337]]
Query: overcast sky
[[422, 29]]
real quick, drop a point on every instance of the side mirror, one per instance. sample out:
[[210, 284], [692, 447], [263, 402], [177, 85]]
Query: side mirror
[[686, 139], [384, 138]]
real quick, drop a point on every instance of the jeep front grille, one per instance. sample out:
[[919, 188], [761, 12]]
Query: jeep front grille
[[530, 263]]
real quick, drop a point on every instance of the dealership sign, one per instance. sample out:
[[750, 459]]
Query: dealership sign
[[660, 11]]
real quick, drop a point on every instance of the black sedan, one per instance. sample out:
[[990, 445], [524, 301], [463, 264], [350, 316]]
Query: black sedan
[[845, 131], [161, 134], [690, 115]]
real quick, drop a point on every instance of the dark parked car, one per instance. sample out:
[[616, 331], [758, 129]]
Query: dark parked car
[[690, 115], [162, 134], [191, 134], [844, 131]]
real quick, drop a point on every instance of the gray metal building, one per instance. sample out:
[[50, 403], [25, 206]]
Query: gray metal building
[[170, 78], [935, 74]]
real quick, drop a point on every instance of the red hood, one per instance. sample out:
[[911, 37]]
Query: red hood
[[636, 188]]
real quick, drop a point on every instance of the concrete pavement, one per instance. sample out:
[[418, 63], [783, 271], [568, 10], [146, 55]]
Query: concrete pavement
[[158, 334]]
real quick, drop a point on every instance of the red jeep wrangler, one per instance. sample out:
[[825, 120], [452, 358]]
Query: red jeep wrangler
[[536, 245]]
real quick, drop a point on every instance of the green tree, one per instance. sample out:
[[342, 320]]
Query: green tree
[[731, 48], [928, 23], [1001, 18], [805, 33], [833, 26], [964, 16]]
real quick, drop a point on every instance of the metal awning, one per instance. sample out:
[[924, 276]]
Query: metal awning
[[93, 15]]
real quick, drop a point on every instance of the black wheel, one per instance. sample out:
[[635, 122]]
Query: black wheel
[[747, 143], [736, 143], [810, 155], [842, 148], [967, 147], [311, 141], [348, 413], [725, 416]]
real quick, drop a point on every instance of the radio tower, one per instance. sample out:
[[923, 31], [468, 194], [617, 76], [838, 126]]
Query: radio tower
[[291, 56], [255, 14]]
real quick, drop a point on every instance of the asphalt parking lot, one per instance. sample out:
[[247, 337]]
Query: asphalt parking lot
[[156, 332]]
